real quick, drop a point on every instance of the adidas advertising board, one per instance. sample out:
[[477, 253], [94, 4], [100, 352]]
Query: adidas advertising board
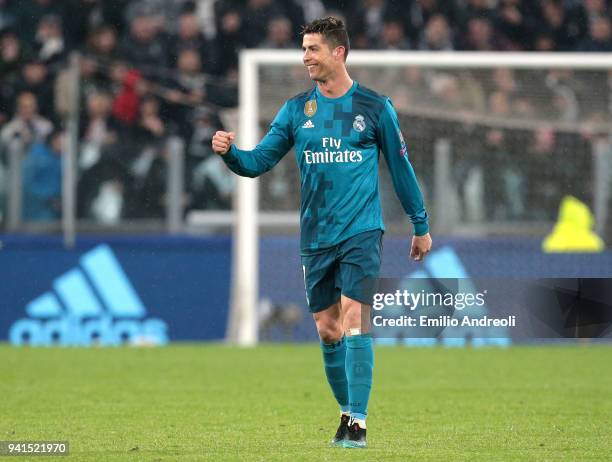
[[125, 291], [94, 303], [152, 291]]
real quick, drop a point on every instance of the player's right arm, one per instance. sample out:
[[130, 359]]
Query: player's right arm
[[265, 155]]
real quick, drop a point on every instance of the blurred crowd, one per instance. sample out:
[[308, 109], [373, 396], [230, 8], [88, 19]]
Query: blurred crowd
[[153, 69]]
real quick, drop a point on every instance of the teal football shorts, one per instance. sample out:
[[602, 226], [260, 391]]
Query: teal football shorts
[[349, 268]]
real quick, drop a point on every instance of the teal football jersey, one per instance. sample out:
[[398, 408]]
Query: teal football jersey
[[337, 144]]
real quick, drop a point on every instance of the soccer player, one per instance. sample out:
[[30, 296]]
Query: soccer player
[[338, 128]]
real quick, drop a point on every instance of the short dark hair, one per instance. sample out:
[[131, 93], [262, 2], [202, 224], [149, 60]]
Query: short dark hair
[[333, 31]]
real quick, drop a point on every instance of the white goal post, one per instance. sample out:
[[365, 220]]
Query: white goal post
[[242, 323]]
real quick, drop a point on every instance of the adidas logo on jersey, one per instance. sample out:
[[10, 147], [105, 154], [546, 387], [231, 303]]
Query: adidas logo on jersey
[[308, 124]]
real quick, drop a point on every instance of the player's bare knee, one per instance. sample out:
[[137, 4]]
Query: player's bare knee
[[329, 328], [329, 324], [330, 333]]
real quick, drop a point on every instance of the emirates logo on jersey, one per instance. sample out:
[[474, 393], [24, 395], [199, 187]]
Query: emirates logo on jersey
[[332, 153]]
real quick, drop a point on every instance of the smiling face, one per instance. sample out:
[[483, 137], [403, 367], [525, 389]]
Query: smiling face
[[319, 58]]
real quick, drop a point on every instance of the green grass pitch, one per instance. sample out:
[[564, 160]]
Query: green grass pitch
[[211, 402]]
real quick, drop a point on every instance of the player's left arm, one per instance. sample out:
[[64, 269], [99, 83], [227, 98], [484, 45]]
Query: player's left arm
[[406, 186]]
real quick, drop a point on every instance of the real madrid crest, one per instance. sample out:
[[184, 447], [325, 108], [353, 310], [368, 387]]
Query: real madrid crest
[[359, 123], [310, 108]]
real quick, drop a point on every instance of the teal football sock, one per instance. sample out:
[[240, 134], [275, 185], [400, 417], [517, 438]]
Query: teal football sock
[[359, 365], [334, 359]]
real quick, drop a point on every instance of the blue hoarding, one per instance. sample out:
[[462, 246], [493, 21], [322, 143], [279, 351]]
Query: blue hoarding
[[148, 289], [113, 290]]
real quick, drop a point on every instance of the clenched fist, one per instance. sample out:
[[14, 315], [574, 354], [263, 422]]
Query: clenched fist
[[222, 141]]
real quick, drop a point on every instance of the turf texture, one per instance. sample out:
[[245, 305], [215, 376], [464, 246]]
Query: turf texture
[[212, 402]]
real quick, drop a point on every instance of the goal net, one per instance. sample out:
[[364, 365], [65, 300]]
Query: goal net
[[497, 140]]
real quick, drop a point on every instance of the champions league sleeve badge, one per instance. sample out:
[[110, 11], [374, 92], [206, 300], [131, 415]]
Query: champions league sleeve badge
[[403, 149]]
